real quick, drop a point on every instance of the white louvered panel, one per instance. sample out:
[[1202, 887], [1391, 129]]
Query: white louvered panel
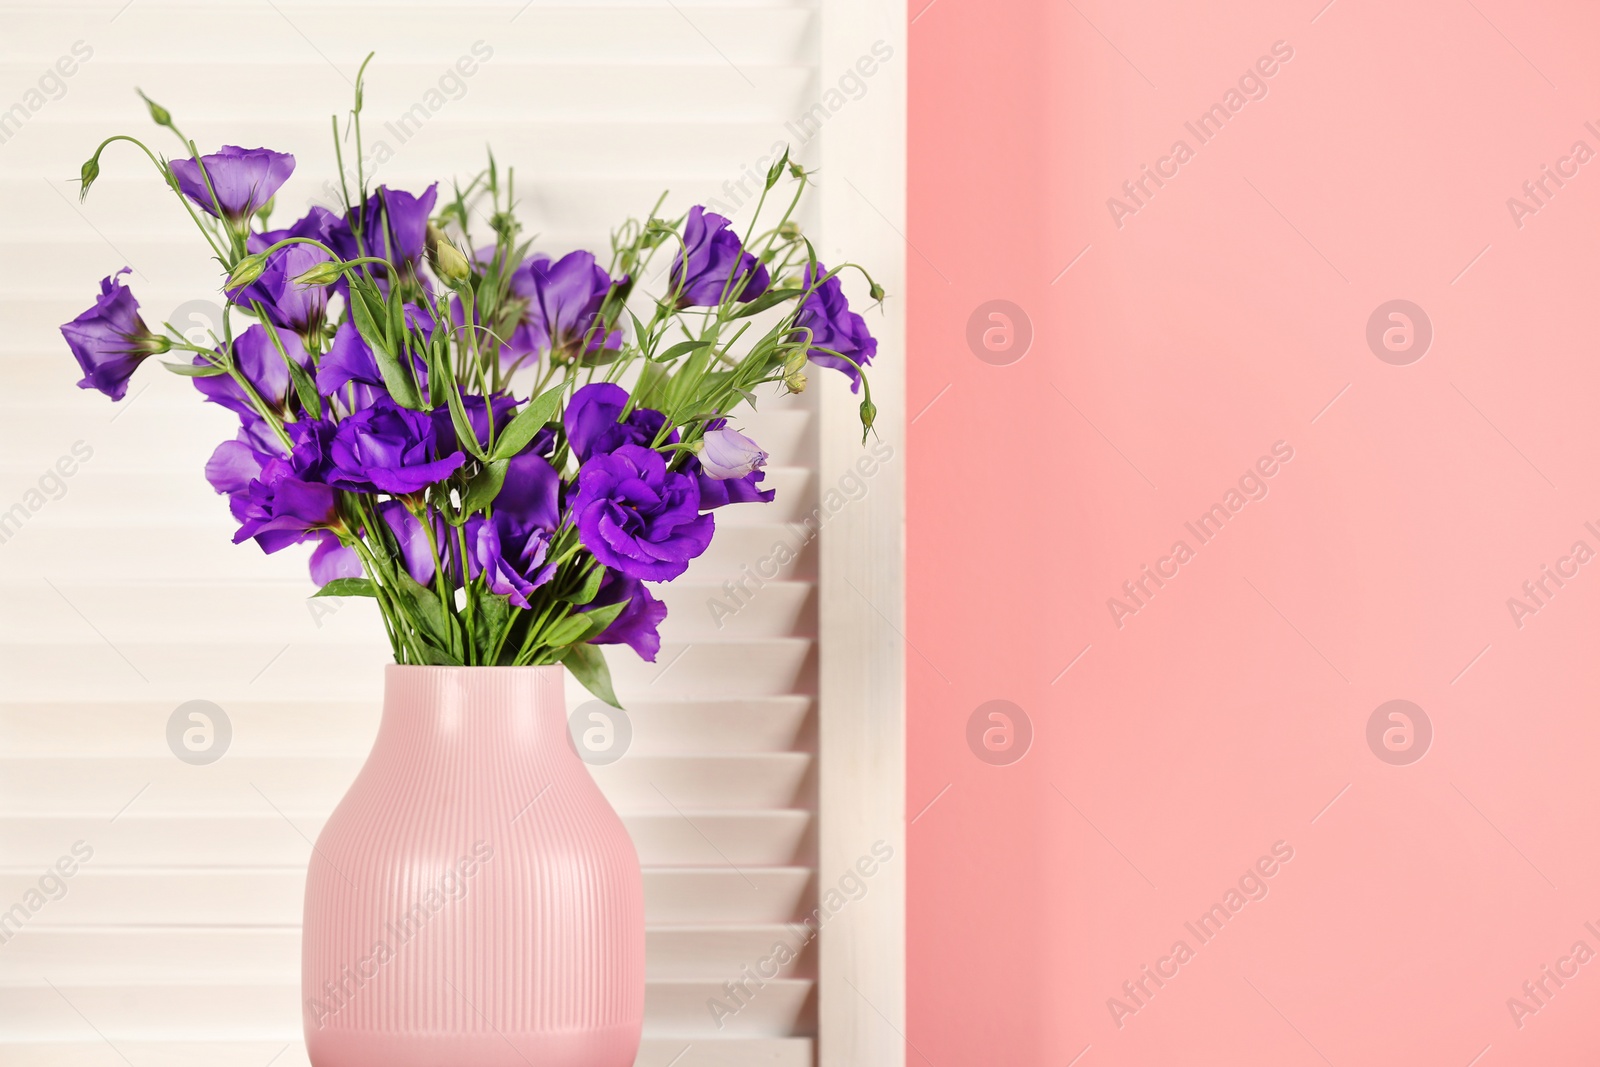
[[179, 940]]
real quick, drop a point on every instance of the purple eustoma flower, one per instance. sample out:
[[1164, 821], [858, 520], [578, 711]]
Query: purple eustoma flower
[[244, 179], [388, 449], [290, 305], [510, 547], [281, 509], [253, 478], [110, 340], [726, 453], [332, 558], [531, 496], [415, 549], [477, 412], [637, 516], [714, 256], [715, 491], [826, 313], [234, 465], [258, 360], [638, 624], [563, 304], [348, 359], [592, 426], [394, 227], [513, 565], [348, 371]]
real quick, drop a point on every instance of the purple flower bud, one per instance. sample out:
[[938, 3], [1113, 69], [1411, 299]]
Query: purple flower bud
[[728, 453]]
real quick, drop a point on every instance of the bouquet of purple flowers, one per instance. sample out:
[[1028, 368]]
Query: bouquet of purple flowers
[[375, 360]]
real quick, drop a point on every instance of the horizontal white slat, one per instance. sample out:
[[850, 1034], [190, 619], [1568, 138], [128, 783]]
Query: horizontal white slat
[[142, 954], [273, 896], [632, 32], [93, 670], [32, 613], [287, 1051], [697, 838], [633, 784], [504, 91], [163, 1012], [306, 729]]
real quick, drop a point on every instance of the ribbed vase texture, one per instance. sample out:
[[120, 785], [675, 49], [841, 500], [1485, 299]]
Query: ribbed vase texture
[[473, 901]]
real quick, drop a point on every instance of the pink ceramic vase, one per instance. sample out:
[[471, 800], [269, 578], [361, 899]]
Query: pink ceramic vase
[[473, 900]]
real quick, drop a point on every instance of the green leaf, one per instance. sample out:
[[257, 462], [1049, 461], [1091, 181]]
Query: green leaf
[[582, 626], [366, 304], [588, 664], [438, 657], [489, 616], [437, 626], [682, 348], [600, 618], [570, 629], [347, 587], [770, 298], [466, 436], [485, 486], [591, 586], [192, 370], [305, 388], [521, 429], [651, 377]]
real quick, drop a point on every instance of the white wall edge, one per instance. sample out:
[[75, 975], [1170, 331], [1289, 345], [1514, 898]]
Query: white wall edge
[[861, 682]]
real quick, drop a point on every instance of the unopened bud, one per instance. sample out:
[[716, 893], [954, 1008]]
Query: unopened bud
[[448, 262], [869, 412], [790, 229], [324, 273], [876, 292], [160, 115], [796, 171], [247, 270], [796, 382], [795, 363], [86, 176]]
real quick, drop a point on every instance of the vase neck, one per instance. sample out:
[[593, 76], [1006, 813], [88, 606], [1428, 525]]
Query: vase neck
[[473, 708]]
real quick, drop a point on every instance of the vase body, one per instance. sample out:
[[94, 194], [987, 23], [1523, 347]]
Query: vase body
[[473, 900]]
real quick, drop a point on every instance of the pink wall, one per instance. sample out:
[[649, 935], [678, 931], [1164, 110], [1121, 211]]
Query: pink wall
[[1226, 314]]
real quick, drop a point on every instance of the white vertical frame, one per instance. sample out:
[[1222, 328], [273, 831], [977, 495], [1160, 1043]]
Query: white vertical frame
[[861, 601]]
